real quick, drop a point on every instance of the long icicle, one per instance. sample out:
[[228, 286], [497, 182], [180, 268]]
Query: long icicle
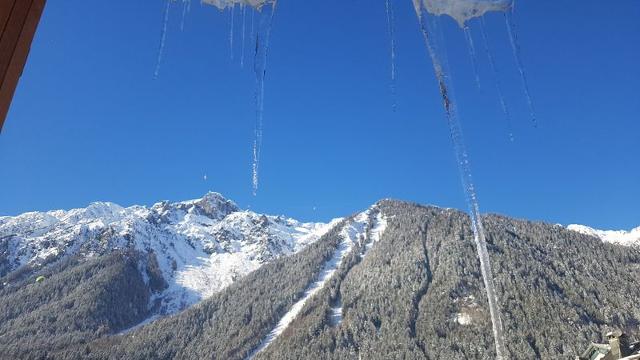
[[496, 79], [472, 54], [253, 34], [260, 68], [392, 37], [186, 7], [467, 181], [244, 24], [163, 39], [515, 45], [233, 6]]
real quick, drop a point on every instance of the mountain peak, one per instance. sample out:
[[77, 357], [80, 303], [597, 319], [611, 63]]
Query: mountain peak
[[216, 206], [212, 205], [214, 196]]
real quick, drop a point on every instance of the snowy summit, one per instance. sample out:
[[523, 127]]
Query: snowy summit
[[199, 246], [619, 237]]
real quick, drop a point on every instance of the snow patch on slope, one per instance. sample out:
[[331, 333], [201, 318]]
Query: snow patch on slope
[[380, 225], [335, 313], [353, 234], [619, 237], [463, 319]]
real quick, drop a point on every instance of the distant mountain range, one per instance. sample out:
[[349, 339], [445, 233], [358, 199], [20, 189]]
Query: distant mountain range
[[204, 279], [199, 247]]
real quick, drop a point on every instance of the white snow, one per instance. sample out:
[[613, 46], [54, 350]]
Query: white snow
[[223, 4], [335, 314], [620, 237], [462, 10], [467, 306], [380, 224], [463, 318], [376, 232], [353, 233], [201, 246]]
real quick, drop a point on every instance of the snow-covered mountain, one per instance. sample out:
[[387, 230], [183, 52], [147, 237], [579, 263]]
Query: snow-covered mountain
[[397, 280], [199, 247], [620, 237]]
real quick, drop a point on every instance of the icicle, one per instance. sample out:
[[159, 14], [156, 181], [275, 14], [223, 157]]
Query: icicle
[[392, 37], [260, 68], [496, 79], [186, 8], [515, 45], [163, 39], [467, 180], [233, 6], [244, 13], [253, 33], [472, 53]]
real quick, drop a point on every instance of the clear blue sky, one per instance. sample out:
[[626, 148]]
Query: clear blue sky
[[90, 123]]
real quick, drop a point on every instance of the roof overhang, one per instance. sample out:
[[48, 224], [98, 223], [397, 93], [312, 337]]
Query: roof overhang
[[18, 22]]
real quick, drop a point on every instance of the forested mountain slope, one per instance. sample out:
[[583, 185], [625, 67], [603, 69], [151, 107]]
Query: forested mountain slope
[[399, 281]]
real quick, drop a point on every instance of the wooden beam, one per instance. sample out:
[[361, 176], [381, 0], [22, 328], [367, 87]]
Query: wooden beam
[[18, 21], [5, 10]]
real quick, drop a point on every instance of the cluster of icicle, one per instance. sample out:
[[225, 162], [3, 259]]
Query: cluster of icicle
[[260, 63], [266, 9], [462, 10], [223, 4], [427, 10]]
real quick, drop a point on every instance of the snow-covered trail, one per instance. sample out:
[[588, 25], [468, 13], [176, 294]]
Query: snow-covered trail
[[379, 226], [371, 237], [352, 234]]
